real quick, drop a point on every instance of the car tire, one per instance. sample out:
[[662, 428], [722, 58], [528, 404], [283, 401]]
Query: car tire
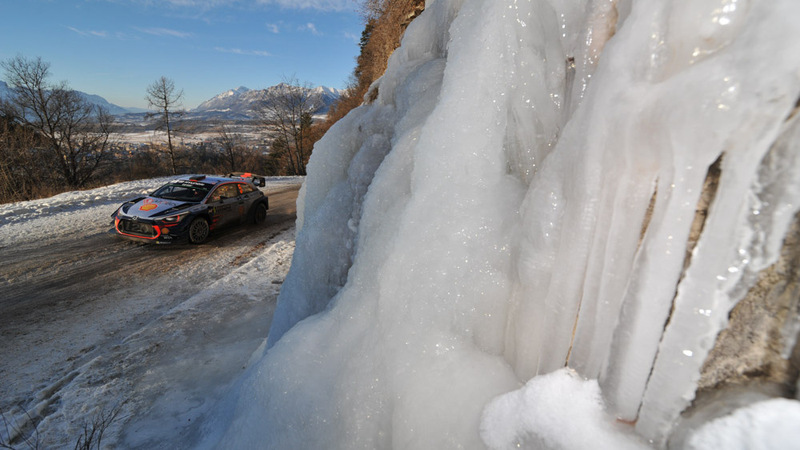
[[198, 230], [259, 213]]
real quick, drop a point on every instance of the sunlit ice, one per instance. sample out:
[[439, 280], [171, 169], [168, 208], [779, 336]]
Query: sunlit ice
[[503, 231]]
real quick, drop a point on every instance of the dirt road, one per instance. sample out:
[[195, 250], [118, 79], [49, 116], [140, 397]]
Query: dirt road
[[63, 303]]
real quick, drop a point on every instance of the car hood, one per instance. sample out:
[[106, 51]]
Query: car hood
[[153, 206]]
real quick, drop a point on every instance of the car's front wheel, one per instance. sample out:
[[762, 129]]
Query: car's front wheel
[[260, 214], [198, 230]]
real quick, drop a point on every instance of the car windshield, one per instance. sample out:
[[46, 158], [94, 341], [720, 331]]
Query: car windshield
[[187, 192]]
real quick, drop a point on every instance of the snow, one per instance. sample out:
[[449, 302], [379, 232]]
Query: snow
[[44, 219], [212, 337], [484, 222], [80, 207], [163, 357], [525, 419], [766, 424], [475, 262]]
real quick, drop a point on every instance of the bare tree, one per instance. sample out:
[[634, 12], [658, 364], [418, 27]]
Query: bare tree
[[371, 9], [19, 169], [231, 143], [163, 97], [287, 117], [72, 136]]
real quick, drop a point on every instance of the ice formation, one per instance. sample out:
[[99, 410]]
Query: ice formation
[[518, 198]]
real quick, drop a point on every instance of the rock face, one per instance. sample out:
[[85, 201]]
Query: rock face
[[757, 356], [760, 343]]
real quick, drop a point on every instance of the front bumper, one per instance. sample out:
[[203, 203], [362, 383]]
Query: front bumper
[[148, 231]]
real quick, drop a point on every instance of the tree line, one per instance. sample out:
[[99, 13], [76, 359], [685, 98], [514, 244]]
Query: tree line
[[48, 133], [52, 139]]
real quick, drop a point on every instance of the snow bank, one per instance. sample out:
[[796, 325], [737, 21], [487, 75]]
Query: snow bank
[[485, 222], [68, 212], [73, 211], [766, 424], [555, 411]]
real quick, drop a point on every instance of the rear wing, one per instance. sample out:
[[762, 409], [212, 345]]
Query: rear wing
[[258, 180]]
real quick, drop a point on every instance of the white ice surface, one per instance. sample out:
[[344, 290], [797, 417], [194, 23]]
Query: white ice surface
[[484, 220]]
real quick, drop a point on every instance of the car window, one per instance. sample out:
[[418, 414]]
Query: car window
[[226, 190], [245, 188], [184, 192]]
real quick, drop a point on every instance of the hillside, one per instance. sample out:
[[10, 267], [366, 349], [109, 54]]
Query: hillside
[[386, 23]]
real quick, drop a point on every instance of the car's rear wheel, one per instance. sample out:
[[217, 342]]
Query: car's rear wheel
[[260, 213], [198, 230]]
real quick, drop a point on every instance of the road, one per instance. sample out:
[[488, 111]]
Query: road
[[39, 276], [63, 303]]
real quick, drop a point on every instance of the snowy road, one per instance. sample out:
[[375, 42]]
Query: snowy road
[[86, 318], [38, 276]]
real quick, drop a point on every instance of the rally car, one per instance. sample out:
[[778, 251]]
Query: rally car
[[189, 208]]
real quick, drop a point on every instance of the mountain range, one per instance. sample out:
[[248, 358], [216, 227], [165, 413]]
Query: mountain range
[[241, 103], [235, 104]]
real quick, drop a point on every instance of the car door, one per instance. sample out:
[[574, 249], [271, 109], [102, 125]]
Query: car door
[[248, 196], [241, 203], [224, 205]]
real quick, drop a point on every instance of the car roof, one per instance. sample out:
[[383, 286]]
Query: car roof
[[210, 179]]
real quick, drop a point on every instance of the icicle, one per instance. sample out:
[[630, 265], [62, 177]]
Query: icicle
[[735, 245]]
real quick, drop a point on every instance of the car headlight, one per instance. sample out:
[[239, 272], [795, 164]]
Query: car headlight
[[176, 218]]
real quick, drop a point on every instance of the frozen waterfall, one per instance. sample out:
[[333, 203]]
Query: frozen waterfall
[[494, 251]]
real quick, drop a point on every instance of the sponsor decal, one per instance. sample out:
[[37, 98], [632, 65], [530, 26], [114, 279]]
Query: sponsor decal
[[192, 183], [148, 205]]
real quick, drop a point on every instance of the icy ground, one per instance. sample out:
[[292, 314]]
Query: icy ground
[[161, 357]]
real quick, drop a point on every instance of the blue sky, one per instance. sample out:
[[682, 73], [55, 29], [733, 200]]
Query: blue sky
[[116, 48]]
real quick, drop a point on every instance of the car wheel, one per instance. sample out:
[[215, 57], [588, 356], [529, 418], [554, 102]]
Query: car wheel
[[198, 230], [260, 214]]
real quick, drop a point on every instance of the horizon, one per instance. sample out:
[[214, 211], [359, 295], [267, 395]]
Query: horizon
[[115, 49]]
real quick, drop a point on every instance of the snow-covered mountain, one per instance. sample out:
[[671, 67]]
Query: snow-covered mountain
[[240, 103], [100, 101], [6, 92], [224, 100]]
